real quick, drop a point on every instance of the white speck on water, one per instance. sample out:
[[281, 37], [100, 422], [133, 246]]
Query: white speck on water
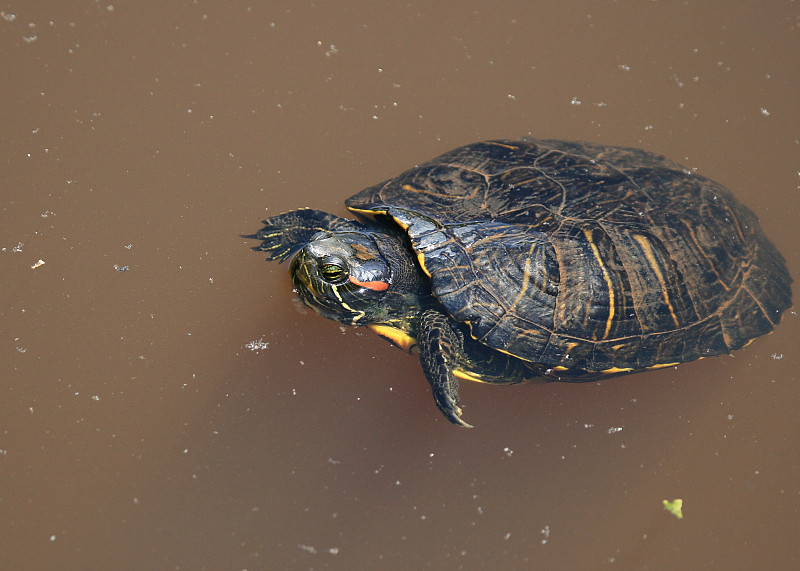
[[313, 550], [614, 429], [331, 50], [257, 345], [308, 548], [764, 112]]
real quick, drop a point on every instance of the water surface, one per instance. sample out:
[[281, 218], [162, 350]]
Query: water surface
[[165, 402]]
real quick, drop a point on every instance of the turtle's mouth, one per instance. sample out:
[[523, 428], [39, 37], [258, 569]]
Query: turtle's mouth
[[301, 274], [306, 279]]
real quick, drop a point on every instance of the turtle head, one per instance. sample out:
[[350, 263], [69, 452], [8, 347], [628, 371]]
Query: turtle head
[[346, 276]]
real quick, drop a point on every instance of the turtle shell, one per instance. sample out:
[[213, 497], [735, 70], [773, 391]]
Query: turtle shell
[[582, 257]]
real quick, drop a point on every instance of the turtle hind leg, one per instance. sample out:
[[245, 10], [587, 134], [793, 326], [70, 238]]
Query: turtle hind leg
[[286, 233], [440, 350]]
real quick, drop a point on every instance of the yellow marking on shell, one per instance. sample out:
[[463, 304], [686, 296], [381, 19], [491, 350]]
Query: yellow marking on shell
[[498, 349], [616, 370], [397, 336], [410, 188], [510, 147], [619, 370], [750, 341], [663, 365], [571, 346], [703, 253], [526, 278], [358, 312], [607, 278], [421, 260], [368, 213], [651, 259], [560, 368], [400, 223]]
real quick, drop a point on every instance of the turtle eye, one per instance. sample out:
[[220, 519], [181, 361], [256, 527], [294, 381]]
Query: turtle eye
[[332, 270]]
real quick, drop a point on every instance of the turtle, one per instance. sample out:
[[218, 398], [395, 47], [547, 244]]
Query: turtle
[[539, 260]]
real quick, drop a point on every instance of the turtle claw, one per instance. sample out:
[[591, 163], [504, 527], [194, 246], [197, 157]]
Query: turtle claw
[[453, 413], [439, 348]]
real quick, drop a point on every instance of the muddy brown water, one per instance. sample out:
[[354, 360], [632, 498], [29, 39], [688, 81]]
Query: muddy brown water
[[167, 405]]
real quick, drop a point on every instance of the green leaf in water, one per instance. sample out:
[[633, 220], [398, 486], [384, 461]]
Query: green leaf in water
[[674, 507]]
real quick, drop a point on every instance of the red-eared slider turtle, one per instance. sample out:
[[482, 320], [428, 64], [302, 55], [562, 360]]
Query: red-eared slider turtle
[[506, 261]]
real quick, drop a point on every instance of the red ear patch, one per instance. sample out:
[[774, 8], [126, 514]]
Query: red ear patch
[[374, 286]]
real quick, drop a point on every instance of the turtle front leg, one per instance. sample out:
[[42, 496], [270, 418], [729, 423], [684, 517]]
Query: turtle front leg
[[283, 235], [440, 350]]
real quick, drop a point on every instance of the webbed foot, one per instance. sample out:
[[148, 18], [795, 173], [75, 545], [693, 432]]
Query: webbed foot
[[283, 235], [439, 349]]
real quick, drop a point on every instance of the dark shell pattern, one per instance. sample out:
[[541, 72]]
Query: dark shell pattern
[[580, 256]]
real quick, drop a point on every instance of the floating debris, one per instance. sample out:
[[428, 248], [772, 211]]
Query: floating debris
[[258, 345], [674, 507]]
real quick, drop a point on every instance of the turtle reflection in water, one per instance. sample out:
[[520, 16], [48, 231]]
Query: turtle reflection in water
[[506, 261]]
